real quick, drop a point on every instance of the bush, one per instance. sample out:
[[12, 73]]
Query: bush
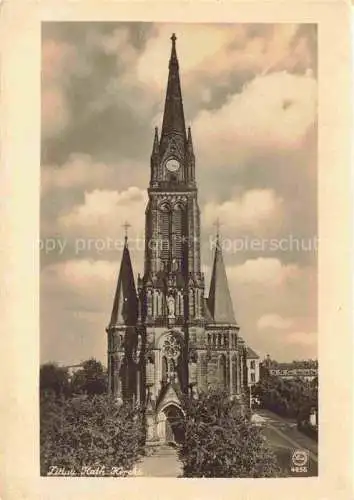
[[54, 379], [88, 431], [308, 429], [220, 442], [90, 379], [289, 398]]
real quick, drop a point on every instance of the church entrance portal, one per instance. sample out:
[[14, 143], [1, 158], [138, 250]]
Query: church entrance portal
[[174, 426]]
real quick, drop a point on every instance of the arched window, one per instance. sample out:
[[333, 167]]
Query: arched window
[[193, 368], [234, 373], [149, 302], [150, 369], [197, 303], [116, 374], [112, 371], [164, 369], [222, 371], [160, 302], [191, 302], [155, 311], [171, 370], [165, 233], [177, 232], [179, 304], [239, 372]]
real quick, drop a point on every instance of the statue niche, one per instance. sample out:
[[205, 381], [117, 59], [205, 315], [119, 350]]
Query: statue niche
[[171, 306]]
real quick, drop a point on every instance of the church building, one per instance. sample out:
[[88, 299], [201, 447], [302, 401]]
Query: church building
[[165, 338]]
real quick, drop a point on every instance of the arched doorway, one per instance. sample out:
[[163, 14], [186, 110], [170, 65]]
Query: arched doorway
[[174, 424]]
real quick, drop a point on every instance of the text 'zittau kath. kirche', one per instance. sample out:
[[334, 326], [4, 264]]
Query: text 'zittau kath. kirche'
[[165, 339]]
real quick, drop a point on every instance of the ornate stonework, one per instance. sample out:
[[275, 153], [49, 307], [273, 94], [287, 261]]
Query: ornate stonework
[[165, 338]]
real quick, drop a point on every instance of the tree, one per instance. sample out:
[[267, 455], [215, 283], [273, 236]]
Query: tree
[[90, 379], [294, 398], [221, 442], [54, 379], [91, 431]]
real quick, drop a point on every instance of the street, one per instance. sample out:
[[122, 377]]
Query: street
[[285, 438]]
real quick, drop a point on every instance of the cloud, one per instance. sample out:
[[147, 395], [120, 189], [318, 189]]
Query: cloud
[[306, 339], [211, 54], [296, 344], [104, 212], [269, 272], [81, 172], [197, 46], [273, 112], [252, 209], [287, 346], [77, 298], [250, 92], [58, 62], [81, 276], [78, 171], [94, 229], [274, 321], [55, 111]]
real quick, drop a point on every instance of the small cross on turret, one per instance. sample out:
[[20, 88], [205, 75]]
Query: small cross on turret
[[126, 226]]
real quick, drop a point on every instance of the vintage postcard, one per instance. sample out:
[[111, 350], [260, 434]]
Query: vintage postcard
[[189, 194]]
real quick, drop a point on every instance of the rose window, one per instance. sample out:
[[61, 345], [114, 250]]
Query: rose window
[[171, 348]]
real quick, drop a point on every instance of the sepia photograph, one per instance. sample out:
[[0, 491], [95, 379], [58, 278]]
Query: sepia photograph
[[178, 250]]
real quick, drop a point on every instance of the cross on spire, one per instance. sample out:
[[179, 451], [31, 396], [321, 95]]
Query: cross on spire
[[217, 224], [173, 38], [126, 226]]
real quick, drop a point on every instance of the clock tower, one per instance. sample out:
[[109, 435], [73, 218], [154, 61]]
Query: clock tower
[[174, 341], [172, 288]]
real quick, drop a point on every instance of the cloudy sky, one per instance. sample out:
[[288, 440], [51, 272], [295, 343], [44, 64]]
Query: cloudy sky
[[250, 94]]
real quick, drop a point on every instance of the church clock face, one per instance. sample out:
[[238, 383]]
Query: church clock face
[[172, 165]]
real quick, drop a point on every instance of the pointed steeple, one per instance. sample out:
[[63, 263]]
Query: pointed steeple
[[125, 305], [219, 300], [173, 118], [190, 142]]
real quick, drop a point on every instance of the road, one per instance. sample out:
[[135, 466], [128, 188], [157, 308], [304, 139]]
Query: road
[[285, 438]]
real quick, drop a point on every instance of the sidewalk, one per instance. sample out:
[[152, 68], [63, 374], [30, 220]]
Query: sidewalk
[[163, 462]]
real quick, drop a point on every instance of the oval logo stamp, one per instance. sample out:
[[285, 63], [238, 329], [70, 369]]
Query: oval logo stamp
[[300, 458]]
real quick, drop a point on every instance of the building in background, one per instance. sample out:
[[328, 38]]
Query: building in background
[[302, 369], [253, 362], [72, 369]]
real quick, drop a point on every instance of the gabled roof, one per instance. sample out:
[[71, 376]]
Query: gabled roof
[[251, 354], [125, 304], [219, 300], [171, 393]]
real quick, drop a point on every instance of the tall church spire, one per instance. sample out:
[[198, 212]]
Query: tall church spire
[[219, 301], [125, 306], [173, 118]]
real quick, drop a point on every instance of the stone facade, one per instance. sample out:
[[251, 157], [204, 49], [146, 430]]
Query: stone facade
[[165, 339]]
